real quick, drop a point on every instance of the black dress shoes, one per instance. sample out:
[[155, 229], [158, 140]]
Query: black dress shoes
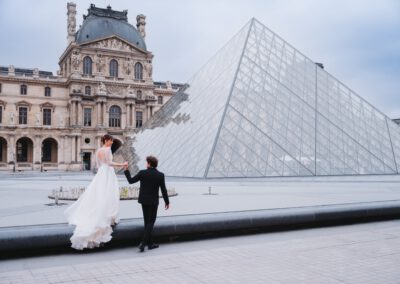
[[153, 246], [141, 247]]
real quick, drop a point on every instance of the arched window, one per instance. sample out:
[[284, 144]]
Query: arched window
[[138, 71], [139, 95], [47, 92], [160, 100], [114, 68], [88, 91], [24, 89], [87, 65], [114, 117]]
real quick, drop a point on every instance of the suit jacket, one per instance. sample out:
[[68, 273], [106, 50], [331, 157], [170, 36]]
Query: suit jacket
[[151, 180]]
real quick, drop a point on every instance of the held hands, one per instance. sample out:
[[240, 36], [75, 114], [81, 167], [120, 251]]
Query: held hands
[[125, 165], [166, 206]]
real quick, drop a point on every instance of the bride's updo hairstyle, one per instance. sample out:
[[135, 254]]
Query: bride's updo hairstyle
[[106, 138]]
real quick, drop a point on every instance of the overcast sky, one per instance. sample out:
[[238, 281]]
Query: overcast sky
[[357, 40]]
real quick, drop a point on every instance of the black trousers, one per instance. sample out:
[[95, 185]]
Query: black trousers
[[149, 216]]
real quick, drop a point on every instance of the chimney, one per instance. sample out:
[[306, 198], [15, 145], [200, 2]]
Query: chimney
[[71, 21], [141, 24]]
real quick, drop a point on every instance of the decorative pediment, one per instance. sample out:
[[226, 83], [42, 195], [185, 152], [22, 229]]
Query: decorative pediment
[[47, 105], [115, 43], [23, 104]]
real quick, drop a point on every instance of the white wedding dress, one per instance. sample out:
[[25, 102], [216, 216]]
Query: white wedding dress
[[98, 207]]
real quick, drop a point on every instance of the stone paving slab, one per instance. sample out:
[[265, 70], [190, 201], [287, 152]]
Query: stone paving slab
[[366, 253]]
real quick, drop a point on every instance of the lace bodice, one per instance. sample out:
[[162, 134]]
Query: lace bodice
[[104, 157]]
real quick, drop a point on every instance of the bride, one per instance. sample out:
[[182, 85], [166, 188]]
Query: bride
[[97, 208]]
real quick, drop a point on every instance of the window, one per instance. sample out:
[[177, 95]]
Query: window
[[113, 68], [88, 91], [24, 89], [1, 114], [160, 100], [87, 117], [87, 65], [23, 115], [115, 117], [139, 119], [138, 71], [47, 92], [0, 88], [46, 116], [139, 95]]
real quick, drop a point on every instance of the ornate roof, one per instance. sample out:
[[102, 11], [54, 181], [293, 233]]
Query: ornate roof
[[101, 23]]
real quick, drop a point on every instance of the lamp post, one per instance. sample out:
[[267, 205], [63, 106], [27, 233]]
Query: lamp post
[[41, 159], [14, 162]]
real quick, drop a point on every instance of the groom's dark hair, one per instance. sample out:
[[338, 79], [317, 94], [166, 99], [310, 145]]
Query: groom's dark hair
[[152, 161]]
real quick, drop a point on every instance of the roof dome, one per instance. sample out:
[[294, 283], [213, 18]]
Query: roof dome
[[102, 23]]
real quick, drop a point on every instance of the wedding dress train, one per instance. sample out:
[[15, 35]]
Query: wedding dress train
[[97, 208]]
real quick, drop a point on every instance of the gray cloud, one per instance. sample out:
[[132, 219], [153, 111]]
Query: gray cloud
[[358, 40]]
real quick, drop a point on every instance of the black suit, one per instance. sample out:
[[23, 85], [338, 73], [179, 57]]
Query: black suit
[[151, 180]]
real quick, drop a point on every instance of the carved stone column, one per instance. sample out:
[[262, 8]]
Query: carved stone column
[[37, 150], [128, 115], [60, 153], [105, 117], [98, 111], [80, 113], [73, 113], [11, 147], [78, 148], [73, 149]]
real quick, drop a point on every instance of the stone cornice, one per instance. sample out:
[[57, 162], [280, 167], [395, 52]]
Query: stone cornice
[[34, 81]]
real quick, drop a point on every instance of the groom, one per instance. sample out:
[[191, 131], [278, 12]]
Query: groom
[[150, 182]]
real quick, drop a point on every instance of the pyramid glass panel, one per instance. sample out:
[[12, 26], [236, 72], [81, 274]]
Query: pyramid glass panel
[[261, 108], [181, 135]]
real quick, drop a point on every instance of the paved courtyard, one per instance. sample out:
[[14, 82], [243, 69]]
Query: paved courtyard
[[23, 196], [363, 253]]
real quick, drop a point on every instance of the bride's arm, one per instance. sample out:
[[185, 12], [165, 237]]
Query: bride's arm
[[109, 160]]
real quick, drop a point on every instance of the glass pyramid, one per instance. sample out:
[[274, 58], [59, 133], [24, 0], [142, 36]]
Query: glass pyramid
[[260, 108]]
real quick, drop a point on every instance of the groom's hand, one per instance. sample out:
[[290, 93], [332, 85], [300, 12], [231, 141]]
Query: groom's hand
[[125, 167], [166, 206]]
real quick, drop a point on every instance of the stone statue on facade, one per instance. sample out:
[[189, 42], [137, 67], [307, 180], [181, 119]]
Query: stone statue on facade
[[102, 89], [75, 59], [12, 118], [169, 85], [35, 73], [149, 68], [141, 25], [37, 119], [130, 92], [11, 69], [128, 66], [60, 120], [100, 63]]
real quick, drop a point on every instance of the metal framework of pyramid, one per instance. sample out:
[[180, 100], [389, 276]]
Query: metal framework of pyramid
[[260, 108]]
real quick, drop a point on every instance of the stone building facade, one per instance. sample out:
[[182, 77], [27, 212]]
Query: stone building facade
[[104, 85]]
